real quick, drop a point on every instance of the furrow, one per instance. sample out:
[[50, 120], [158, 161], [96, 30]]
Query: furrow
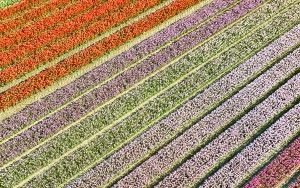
[[294, 181]]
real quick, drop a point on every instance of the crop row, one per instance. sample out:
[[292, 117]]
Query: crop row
[[161, 130], [137, 96], [218, 150], [260, 150], [153, 92], [30, 15], [18, 8], [110, 89], [73, 11], [35, 35], [116, 108], [36, 43], [208, 126], [63, 168], [160, 162], [51, 74], [98, 75], [114, 111], [280, 167]]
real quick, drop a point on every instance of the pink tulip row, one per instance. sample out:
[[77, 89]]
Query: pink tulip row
[[282, 165], [261, 149], [149, 139], [230, 140]]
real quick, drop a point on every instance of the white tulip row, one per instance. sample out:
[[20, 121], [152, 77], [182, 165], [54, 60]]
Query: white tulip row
[[257, 152]]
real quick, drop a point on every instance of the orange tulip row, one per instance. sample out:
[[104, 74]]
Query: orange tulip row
[[55, 49], [52, 74], [21, 36], [17, 7]]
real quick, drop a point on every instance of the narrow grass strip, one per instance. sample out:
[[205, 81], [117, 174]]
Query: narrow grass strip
[[5, 3], [293, 182]]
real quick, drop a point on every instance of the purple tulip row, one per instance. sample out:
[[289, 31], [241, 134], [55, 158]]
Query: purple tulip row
[[52, 101], [98, 96], [106, 169], [254, 155], [209, 125], [230, 140]]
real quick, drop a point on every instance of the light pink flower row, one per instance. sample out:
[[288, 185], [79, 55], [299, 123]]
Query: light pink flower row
[[245, 163], [213, 154]]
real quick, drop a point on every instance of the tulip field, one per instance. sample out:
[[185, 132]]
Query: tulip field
[[150, 93]]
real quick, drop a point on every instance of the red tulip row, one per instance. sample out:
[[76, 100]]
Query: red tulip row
[[72, 40], [25, 46], [51, 74], [17, 7], [7, 25]]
